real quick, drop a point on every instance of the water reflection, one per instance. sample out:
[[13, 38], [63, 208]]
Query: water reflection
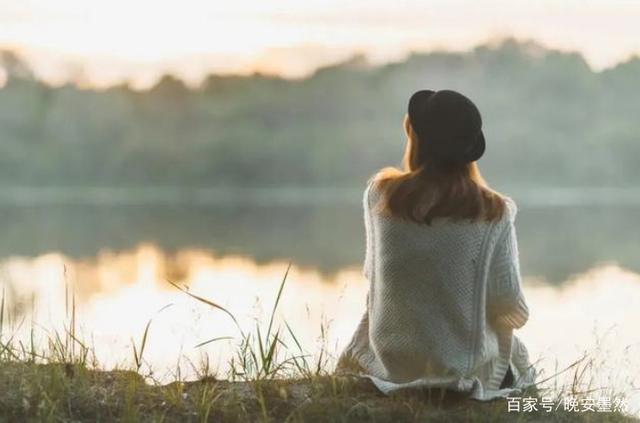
[[117, 293], [323, 236]]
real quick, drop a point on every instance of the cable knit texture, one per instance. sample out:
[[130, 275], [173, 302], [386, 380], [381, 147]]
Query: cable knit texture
[[443, 302]]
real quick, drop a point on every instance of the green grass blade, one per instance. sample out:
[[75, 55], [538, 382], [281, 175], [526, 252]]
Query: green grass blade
[[275, 305], [2, 313], [207, 302], [220, 338]]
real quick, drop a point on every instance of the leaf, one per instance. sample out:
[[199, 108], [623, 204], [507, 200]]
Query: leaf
[[207, 302], [220, 338]]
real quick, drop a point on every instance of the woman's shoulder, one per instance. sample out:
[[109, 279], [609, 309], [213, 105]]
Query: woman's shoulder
[[371, 190], [511, 208], [508, 216]]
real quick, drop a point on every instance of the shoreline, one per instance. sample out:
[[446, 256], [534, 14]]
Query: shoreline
[[73, 392]]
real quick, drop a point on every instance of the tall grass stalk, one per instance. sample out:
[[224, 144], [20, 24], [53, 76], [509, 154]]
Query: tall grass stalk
[[51, 392], [138, 351]]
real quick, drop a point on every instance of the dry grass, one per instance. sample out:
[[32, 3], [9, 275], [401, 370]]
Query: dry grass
[[71, 393], [272, 379]]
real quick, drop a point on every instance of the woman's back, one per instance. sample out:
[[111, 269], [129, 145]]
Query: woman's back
[[427, 282], [442, 263], [431, 295]]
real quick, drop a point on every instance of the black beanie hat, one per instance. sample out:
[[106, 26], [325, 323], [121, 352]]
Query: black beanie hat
[[448, 125]]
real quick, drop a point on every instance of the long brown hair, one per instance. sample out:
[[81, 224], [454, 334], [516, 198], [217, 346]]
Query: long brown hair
[[425, 190]]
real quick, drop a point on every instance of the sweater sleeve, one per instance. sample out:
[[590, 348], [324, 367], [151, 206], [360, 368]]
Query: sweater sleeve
[[506, 302], [351, 358], [368, 226]]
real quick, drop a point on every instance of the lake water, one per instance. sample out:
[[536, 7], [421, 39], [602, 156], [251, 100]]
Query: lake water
[[580, 262]]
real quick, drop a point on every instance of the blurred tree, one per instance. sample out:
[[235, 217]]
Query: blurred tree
[[549, 119]]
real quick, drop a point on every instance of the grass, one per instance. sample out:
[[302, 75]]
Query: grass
[[271, 379]]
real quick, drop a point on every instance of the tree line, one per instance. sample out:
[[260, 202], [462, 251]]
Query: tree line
[[549, 120]]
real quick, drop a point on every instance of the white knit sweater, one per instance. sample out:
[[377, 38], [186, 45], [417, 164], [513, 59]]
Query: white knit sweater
[[443, 302]]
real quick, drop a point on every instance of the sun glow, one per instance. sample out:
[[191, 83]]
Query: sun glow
[[107, 42], [117, 293]]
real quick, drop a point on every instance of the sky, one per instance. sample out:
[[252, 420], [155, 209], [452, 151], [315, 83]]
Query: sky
[[103, 42]]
